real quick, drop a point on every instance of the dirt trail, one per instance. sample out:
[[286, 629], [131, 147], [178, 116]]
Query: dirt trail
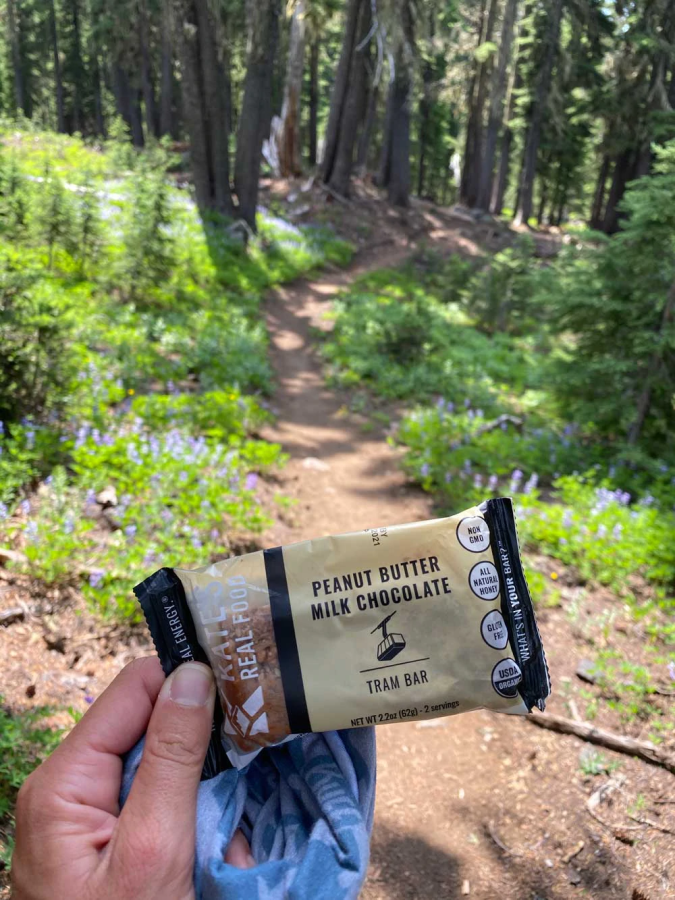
[[478, 803]]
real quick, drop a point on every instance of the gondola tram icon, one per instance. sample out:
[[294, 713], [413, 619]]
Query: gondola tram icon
[[391, 644]]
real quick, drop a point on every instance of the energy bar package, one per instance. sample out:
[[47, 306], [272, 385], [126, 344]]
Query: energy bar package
[[383, 625]]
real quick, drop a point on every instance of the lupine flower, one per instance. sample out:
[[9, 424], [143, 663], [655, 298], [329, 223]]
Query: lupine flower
[[602, 531], [562, 541], [617, 531], [183, 476], [91, 497], [466, 468], [425, 468], [493, 481], [149, 558], [68, 526], [25, 507], [166, 515], [647, 500], [663, 468], [48, 480], [440, 404], [196, 543], [4, 512], [214, 534], [467, 403], [450, 406], [478, 481], [30, 438], [2, 427], [88, 698], [471, 414], [96, 578], [671, 670], [448, 477], [32, 529], [479, 413], [567, 519], [251, 481], [531, 483], [455, 445], [130, 530]]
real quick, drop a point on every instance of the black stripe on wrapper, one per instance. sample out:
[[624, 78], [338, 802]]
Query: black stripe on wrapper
[[287, 645]]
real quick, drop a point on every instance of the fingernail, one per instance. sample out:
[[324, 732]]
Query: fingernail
[[190, 684]]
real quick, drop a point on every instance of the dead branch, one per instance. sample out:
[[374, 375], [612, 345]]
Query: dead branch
[[504, 419], [490, 828], [644, 750], [7, 616], [643, 820], [334, 194]]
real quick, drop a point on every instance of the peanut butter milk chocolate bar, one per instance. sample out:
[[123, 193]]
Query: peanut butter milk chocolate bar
[[383, 625]]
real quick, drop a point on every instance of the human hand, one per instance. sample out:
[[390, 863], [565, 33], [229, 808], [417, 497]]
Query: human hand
[[72, 841]]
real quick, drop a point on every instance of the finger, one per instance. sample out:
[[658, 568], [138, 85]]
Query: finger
[[162, 804], [239, 853], [86, 768]]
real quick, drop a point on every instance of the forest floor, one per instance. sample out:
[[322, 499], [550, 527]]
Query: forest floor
[[480, 805]]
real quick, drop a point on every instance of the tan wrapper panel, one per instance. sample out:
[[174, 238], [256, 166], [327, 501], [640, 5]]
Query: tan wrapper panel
[[384, 625]]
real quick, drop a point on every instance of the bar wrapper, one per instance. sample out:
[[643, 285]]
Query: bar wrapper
[[384, 625]]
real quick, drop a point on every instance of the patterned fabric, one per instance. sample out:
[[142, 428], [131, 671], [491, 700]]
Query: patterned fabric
[[306, 809]]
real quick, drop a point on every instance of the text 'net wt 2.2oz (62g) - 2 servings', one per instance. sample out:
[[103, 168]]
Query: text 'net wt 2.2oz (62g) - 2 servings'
[[409, 622]]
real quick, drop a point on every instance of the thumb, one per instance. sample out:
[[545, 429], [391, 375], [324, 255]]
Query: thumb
[[158, 819]]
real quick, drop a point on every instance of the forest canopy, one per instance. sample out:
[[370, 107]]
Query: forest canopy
[[541, 111]]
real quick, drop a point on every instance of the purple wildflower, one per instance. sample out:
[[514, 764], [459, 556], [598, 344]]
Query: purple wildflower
[[448, 477], [88, 698], [183, 476], [214, 534], [48, 480], [567, 519], [166, 515], [4, 512], [130, 530], [91, 497], [96, 578], [32, 530], [467, 403], [602, 531], [251, 481], [493, 481], [68, 525], [617, 531], [562, 541], [478, 481], [466, 468], [425, 468], [2, 427], [30, 438], [149, 558], [531, 483], [671, 670], [450, 406], [196, 543], [25, 507], [440, 404], [133, 454], [479, 413]]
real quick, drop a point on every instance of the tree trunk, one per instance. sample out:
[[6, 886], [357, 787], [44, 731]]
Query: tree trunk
[[187, 32], [340, 88], [20, 94], [352, 110], [623, 172], [127, 102], [78, 72], [644, 400], [498, 91], [366, 136], [473, 151], [99, 120], [543, 200], [543, 87], [166, 76], [147, 78], [599, 195], [60, 106], [425, 112], [398, 186], [205, 89], [254, 121], [215, 80], [288, 132], [313, 100]]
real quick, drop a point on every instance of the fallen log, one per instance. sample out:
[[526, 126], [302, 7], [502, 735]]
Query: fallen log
[[644, 750]]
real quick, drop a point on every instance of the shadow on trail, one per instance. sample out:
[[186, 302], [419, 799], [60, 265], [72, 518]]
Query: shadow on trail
[[406, 867]]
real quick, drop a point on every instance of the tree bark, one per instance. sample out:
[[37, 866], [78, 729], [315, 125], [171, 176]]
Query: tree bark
[[147, 77], [425, 112], [205, 96], [397, 173], [288, 132], [645, 398], [538, 108], [473, 151], [20, 94], [166, 125], [313, 100], [498, 91], [78, 70], [340, 88], [623, 173], [353, 108], [256, 112], [366, 136], [58, 79], [127, 102], [599, 194]]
